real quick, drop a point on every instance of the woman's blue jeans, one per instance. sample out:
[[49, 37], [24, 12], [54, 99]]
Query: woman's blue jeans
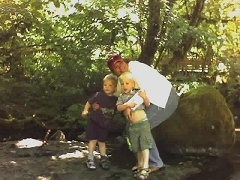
[[156, 115]]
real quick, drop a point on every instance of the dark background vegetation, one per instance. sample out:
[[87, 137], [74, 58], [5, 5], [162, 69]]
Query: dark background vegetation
[[53, 53]]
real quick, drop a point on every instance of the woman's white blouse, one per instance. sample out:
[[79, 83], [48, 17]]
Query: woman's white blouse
[[156, 85]]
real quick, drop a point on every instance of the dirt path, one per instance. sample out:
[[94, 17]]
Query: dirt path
[[65, 161]]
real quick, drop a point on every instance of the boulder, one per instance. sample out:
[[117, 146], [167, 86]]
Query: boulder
[[201, 125]]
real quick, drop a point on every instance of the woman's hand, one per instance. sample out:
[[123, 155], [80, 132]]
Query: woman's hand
[[128, 114], [95, 106], [142, 94]]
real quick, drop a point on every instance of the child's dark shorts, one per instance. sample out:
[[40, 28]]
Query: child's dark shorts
[[95, 132], [140, 136]]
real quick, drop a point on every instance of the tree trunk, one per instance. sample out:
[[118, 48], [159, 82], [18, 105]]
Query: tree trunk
[[187, 40], [151, 42], [163, 31]]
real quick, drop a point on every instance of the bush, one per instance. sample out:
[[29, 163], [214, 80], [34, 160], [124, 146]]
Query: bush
[[73, 115]]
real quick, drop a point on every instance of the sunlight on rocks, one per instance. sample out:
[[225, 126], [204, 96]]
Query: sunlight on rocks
[[76, 154], [85, 151], [43, 178], [95, 153], [13, 162], [28, 143], [74, 147], [54, 158]]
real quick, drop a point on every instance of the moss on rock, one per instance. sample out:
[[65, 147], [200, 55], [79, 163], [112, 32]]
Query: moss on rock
[[202, 124]]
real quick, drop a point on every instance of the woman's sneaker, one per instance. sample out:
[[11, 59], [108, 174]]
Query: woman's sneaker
[[91, 164]]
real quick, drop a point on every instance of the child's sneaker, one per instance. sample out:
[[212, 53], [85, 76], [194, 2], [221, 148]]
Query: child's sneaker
[[104, 163], [91, 164]]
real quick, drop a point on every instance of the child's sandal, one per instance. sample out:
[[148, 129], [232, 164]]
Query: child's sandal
[[135, 171], [143, 174]]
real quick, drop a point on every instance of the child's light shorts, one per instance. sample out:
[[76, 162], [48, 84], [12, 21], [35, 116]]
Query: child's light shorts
[[140, 135]]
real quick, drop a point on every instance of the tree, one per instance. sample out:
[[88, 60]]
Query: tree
[[153, 25], [179, 54]]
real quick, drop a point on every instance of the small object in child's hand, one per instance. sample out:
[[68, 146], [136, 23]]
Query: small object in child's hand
[[137, 100]]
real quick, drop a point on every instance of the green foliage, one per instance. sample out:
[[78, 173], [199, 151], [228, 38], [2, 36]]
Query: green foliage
[[59, 48], [60, 40], [118, 123], [73, 115]]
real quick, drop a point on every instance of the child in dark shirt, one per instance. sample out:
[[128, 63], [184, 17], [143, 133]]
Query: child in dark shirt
[[98, 123]]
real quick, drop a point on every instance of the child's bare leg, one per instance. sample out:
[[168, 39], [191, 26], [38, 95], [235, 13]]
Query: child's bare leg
[[102, 148], [91, 147], [145, 157], [104, 163], [143, 172], [140, 159]]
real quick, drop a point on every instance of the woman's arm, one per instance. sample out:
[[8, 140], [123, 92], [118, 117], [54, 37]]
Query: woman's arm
[[146, 101], [143, 95]]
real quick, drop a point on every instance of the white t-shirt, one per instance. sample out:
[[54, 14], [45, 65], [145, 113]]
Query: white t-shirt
[[156, 85]]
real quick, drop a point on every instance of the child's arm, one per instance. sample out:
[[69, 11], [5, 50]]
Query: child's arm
[[86, 109], [92, 100], [143, 95], [121, 106]]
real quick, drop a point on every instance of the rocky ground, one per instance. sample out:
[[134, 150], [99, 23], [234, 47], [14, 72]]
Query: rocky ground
[[29, 160]]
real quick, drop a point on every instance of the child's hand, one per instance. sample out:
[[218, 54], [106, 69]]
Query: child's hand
[[131, 105], [128, 114], [95, 106], [84, 113], [142, 94]]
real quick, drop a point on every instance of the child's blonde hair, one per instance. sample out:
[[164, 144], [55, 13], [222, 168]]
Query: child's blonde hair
[[112, 78], [126, 75]]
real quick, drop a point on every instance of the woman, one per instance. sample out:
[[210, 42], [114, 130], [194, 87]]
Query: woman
[[162, 96]]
